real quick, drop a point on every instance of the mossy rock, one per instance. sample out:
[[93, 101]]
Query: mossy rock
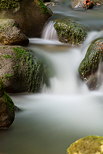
[[70, 31], [9, 4], [31, 15], [10, 34], [7, 111], [91, 62], [87, 145], [20, 70]]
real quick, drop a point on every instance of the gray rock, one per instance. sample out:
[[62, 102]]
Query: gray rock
[[92, 63], [10, 34], [70, 31], [7, 112], [20, 70], [31, 15]]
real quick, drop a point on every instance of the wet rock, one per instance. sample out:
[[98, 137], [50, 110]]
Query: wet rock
[[80, 3], [31, 15], [20, 70], [87, 145], [10, 34], [17, 109], [91, 67], [7, 112], [49, 4], [70, 31]]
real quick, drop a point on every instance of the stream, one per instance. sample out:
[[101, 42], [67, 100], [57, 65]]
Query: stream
[[66, 110]]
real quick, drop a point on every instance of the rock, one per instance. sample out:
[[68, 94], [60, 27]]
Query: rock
[[88, 4], [7, 113], [70, 31], [80, 3], [20, 70], [87, 145], [77, 3], [17, 109], [31, 15], [91, 63], [10, 34], [50, 4]]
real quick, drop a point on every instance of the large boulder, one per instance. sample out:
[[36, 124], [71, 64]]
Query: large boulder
[[10, 34], [69, 31], [31, 15], [87, 145], [7, 112], [92, 63], [20, 70]]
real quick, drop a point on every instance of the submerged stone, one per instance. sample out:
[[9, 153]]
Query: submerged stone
[[87, 145], [70, 31], [20, 70], [31, 15], [91, 64]]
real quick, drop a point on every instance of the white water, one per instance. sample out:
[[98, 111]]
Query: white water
[[49, 31], [66, 63]]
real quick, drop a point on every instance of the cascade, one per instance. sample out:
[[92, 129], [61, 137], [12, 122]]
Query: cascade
[[66, 110]]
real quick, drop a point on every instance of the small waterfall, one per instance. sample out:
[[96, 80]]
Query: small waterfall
[[49, 31], [65, 64], [66, 79]]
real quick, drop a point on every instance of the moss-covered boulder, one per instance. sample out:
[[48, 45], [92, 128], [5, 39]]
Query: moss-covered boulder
[[7, 112], [69, 31], [10, 34], [87, 145], [31, 15], [20, 70], [91, 63]]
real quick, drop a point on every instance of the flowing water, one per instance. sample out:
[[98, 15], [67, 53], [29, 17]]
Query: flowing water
[[66, 110]]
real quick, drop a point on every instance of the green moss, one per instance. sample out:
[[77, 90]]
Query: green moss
[[69, 31], [7, 76], [9, 4], [87, 145], [33, 70], [7, 56], [9, 101], [20, 52], [5, 97]]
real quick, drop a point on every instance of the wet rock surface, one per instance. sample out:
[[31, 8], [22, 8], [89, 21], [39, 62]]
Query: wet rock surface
[[70, 31], [7, 111], [90, 69], [10, 34], [20, 70], [30, 15]]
